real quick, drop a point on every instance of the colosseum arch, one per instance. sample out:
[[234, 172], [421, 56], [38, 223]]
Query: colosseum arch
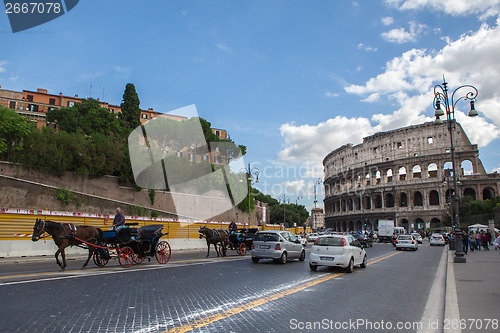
[[488, 193], [377, 177], [377, 200], [466, 168], [351, 226], [469, 192], [389, 200], [432, 170], [388, 176], [418, 199], [435, 222], [344, 226], [357, 203], [368, 179], [402, 173], [359, 226], [367, 202], [403, 201], [350, 205], [434, 198], [416, 172]]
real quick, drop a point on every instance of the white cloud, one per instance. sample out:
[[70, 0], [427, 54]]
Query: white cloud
[[295, 187], [331, 94], [408, 81], [2, 66], [400, 35], [482, 8], [387, 20], [362, 46], [303, 142]]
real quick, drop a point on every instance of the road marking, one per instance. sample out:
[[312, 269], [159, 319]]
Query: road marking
[[260, 301], [95, 271], [434, 307]]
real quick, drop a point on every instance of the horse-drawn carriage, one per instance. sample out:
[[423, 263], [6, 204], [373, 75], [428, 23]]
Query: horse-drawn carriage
[[133, 245], [242, 240], [129, 245]]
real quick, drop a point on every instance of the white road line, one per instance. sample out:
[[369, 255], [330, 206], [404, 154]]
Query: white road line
[[117, 270], [451, 310], [432, 318]]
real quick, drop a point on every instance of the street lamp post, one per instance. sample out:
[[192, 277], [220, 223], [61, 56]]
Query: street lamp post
[[441, 97], [317, 182], [285, 198], [251, 174], [446, 182]]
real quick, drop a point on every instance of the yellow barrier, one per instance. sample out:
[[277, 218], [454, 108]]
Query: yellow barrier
[[18, 224]]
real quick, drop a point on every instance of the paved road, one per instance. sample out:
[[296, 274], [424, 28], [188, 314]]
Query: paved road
[[218, 295]]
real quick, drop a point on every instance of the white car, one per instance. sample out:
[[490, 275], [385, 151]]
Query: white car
[[312, 237], [337, 250], [278, 245], [406, 242], [418, 237], [302, 240], [437, 239]]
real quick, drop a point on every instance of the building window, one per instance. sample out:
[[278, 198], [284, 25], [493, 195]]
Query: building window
[[179, 154], [52, 101], [33, 108], [191, 157], [144, 116], [205, 157], [12, 105], [429, 140], [217, 133], [217, 159], [400, 145], [30, 98], [71, 104]]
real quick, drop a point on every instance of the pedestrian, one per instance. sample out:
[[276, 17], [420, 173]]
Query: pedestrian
[[119, 220], [477, 237], [488, 235], [472, 241], [465, 241], [496, 243], [484, 240]]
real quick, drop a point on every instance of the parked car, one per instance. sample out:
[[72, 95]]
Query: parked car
[[418, 237], [406, 242], [364, 240], [339, 251], [312, 237], [437, 239], [278, 245]]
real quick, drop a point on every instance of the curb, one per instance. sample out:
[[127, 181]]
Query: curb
[[451, 310]]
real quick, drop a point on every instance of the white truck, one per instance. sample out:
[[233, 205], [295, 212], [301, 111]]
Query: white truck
[[385, 230]]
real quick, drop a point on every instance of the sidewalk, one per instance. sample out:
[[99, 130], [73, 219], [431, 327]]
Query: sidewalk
[[478, 290]]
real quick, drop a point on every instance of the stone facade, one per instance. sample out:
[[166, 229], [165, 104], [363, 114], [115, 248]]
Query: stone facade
[[401, 175]]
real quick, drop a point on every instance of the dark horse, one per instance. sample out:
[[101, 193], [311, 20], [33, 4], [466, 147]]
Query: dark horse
[[64, 235], [215, 237]]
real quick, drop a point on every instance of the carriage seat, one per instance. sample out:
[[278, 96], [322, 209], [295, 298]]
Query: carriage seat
[[150, 231]]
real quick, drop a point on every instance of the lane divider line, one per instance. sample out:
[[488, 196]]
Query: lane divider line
[[258, 302]]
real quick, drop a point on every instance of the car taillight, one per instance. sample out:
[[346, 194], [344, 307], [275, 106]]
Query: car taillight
[[395, 241], [253, 246], [277, 247], [344, 242], [413, 242]]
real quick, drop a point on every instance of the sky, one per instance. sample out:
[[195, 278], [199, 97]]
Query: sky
[[292, 80]]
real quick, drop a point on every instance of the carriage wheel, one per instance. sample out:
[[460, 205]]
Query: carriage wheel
[[163, 252], [99, 261], [138, 259], [243, 249], [126, 256]]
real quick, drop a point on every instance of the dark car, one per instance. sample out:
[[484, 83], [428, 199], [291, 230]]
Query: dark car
[[364, 240]]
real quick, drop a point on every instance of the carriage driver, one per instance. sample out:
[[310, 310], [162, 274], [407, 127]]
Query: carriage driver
[[232, 227], [119, 221]]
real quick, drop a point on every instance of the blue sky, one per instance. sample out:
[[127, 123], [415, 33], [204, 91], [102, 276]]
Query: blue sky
[[292, 80]]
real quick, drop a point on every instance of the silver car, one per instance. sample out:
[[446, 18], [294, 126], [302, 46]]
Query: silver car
[[278, 245]]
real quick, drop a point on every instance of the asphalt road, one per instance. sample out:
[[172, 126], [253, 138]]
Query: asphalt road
[[231, 294]]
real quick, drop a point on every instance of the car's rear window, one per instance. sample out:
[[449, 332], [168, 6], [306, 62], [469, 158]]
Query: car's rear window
[[329, 241], [266, 237], [404, 237]]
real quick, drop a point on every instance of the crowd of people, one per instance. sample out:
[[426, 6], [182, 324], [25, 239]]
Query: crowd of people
[[479, 240]]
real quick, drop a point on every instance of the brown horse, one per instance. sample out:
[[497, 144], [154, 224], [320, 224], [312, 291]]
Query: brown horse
[[65, 234], [215, 237]]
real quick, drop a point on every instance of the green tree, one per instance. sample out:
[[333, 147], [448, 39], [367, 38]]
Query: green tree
[[14, 129], [131, 113]]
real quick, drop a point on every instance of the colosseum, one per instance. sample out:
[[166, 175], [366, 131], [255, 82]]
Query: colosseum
[[402, 175]]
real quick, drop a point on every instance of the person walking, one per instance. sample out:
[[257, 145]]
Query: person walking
[[465, 241], [472, 241], [484, 240], [477, 237], [496, 243]]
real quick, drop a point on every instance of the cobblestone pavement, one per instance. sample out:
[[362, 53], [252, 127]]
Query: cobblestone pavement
[[230, 295]]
